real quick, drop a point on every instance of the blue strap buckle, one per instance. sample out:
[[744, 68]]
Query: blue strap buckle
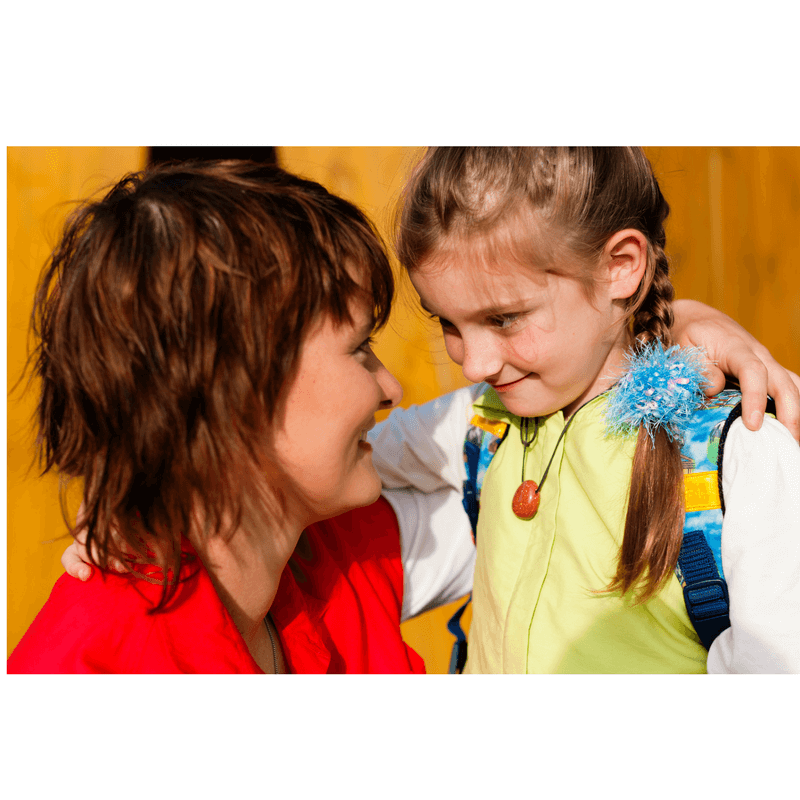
[[707, 604], [704, 597]]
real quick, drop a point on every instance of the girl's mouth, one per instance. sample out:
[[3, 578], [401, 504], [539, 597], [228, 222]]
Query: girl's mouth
[[504, 387]]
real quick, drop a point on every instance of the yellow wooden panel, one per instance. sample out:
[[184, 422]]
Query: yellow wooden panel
[[732, 235]]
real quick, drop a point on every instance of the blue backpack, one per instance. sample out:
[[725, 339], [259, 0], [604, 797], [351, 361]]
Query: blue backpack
[[699, 567]]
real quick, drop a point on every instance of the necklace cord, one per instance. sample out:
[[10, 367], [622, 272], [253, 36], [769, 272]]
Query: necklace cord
[[526, 441], [555, 450]]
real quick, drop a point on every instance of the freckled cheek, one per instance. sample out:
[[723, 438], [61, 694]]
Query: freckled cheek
[[525, 350]]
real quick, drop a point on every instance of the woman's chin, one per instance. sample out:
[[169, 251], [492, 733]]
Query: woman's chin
[[371, 489], [363, 492]]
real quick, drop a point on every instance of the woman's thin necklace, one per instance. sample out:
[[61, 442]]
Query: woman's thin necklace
[[525, 502], [274, 649]]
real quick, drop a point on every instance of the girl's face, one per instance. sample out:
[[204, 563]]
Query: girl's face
[[532, 334], [324, 463]]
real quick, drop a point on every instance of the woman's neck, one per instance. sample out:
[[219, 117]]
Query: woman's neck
[[246, 569]]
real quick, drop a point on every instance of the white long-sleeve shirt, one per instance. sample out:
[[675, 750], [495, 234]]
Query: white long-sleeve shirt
[[417, 452], [419, 455]]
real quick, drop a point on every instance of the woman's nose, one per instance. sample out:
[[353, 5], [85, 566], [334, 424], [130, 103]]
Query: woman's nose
[[390, 387]]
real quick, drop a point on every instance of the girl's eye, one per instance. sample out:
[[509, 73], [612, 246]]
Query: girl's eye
[[445, 323], [505, 321]]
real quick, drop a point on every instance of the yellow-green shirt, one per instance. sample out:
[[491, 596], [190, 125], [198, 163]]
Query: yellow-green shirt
[[537, 600]]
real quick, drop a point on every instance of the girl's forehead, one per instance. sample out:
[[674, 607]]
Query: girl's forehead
[[466, 281], [520, 241]]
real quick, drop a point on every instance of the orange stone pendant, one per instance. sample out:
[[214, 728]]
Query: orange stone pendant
[[526, 500]]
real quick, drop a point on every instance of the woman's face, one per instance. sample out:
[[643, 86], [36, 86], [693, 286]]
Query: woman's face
[[325, 464]]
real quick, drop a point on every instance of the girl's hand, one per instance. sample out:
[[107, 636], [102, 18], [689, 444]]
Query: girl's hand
[[75, 559], [733, 351]]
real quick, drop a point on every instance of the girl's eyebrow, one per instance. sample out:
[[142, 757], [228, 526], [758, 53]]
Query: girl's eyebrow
[[489, 311]]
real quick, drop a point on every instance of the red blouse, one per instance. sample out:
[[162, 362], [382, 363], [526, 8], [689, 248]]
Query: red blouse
[[337, 610]]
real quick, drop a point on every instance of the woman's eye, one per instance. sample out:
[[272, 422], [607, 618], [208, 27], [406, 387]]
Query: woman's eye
[[366, 345]]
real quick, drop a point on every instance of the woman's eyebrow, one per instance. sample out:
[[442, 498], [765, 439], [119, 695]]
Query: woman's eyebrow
[[364, 327]]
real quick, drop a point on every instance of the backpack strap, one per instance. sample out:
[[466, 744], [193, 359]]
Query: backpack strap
[[458, 655], [705, 592], [699, 567], [483, 438]]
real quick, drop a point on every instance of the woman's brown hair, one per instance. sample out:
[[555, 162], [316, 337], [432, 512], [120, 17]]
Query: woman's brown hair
[[580, 196], [169, 319]]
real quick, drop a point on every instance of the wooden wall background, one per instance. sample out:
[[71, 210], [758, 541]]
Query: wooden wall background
[[732, 236]]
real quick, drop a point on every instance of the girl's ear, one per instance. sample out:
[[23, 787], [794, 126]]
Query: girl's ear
[[625, 256]]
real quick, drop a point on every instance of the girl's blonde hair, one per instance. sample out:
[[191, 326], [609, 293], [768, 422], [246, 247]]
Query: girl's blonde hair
[[580, 196]]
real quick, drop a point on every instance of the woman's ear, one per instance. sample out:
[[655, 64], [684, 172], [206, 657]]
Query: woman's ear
[[625, 256]]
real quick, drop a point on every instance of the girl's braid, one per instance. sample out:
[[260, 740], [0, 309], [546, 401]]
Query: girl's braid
[[653, 316]]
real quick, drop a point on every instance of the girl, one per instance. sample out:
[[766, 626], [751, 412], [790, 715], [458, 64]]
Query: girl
[[546, 268]]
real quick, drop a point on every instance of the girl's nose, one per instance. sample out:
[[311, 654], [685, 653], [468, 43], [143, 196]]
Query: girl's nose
[[481, 358]]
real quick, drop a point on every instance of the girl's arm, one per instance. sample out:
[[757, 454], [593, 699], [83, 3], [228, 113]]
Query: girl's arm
[[733, 351], [436, 548], [760, 552], [435, 544]]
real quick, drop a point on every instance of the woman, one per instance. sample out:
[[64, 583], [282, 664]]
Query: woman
[[206, 369]]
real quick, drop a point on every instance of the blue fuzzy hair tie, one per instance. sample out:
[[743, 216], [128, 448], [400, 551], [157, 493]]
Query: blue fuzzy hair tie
[[660, 389]]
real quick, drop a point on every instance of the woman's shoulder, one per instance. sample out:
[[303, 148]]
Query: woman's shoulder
[[107, 625], [91, 626]]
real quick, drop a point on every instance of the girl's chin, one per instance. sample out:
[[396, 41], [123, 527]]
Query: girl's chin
[[522, 408]]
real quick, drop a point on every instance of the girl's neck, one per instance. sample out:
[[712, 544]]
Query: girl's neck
[[611, 372]]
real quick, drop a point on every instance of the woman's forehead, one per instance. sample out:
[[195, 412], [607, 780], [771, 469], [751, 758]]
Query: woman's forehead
[[360, 315]]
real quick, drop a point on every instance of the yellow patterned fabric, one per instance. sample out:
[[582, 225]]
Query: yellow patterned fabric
[[538, 605], [701, 491]]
